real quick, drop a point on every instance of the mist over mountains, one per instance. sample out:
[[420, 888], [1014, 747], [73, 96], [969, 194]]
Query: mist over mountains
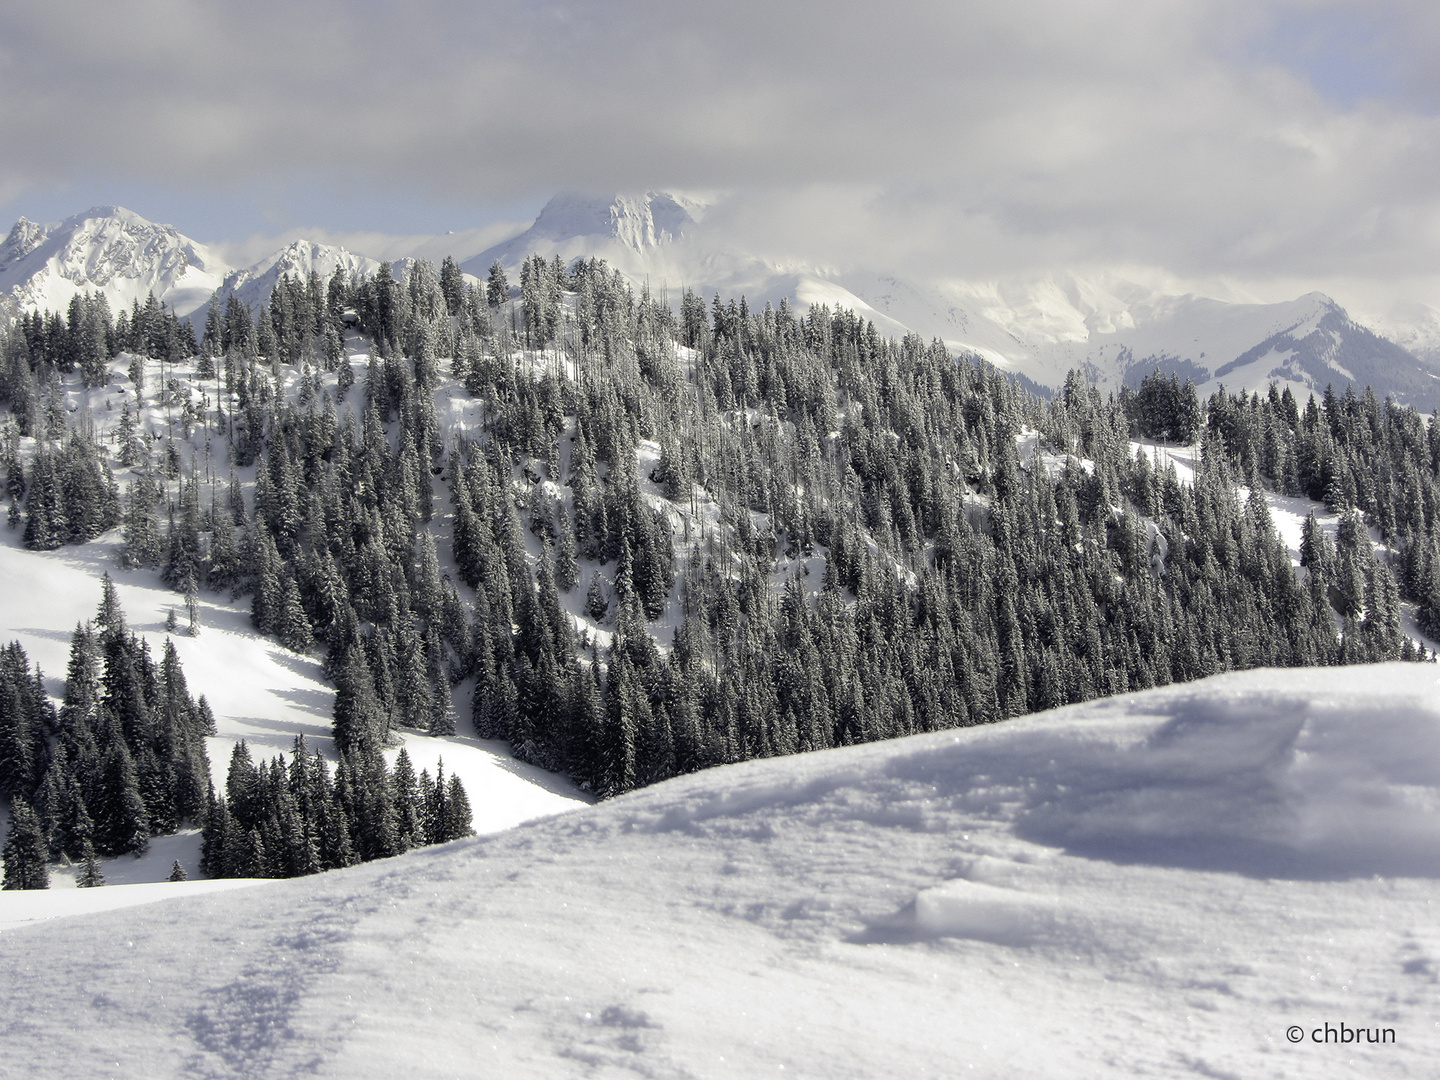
[[1112, 329]]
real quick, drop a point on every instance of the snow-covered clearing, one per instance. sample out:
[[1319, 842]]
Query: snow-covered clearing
[[259, 691], [1186, 459], [1027, 445], [1162, 884]]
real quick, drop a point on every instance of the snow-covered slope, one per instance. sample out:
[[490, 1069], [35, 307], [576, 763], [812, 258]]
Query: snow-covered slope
[[258, 690], [110, 250], [1170, 884]]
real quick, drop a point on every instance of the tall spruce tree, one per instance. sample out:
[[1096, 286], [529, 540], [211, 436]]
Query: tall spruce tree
[[25, 853]]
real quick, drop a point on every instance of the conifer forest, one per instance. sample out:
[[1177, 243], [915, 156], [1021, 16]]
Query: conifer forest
[[646, 538]]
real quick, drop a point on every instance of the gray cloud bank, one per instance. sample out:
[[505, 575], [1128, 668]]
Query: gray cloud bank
[[959, 138]]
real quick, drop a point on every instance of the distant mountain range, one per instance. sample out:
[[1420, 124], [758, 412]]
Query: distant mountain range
[[1113, 329]]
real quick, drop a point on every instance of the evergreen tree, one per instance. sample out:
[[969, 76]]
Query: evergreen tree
[[25, 853], [122, 826], [359, 720], [90, 876], [457, 815], [497, 287]]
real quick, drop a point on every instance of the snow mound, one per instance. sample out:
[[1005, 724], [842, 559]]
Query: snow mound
[[971, 909], [1307, 774], [1261, 779]]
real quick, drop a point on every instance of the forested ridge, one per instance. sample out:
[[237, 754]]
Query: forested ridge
[[655, 540]]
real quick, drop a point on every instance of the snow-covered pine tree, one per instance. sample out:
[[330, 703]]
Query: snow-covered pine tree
[[25, 853]]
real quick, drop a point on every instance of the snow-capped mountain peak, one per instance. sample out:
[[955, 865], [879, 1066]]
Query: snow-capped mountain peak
[[637, 221], [24, 238], [631, 231], [106, 249], [254, 284]]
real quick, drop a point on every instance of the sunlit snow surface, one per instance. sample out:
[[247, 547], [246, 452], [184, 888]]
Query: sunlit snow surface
[[258, 690], [1154, 885]]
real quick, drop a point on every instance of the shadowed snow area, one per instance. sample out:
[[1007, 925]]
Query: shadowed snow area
[[1158, 885]]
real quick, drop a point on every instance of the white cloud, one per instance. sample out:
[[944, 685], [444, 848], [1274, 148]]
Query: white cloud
[[961, 138]]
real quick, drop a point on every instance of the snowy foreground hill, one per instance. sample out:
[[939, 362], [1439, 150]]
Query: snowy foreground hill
[[1163, 884]]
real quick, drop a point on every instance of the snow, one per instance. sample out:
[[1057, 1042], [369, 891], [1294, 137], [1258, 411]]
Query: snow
[[21, 907], [1185, 459], [1027, 446], [1159, 884]]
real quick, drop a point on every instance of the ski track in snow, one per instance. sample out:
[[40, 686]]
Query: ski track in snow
[[1158, 884]]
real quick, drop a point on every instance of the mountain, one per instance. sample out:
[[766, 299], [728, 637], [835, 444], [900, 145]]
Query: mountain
[[1159, 884], [254, 284], [116, 252], [1117, 331], [634, 233], [1113, 329], [110, 250]]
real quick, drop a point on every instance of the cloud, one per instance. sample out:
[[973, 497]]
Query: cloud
[[974, 138]]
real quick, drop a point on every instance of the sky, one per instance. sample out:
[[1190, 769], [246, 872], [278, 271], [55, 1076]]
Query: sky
[[1281, 143]]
